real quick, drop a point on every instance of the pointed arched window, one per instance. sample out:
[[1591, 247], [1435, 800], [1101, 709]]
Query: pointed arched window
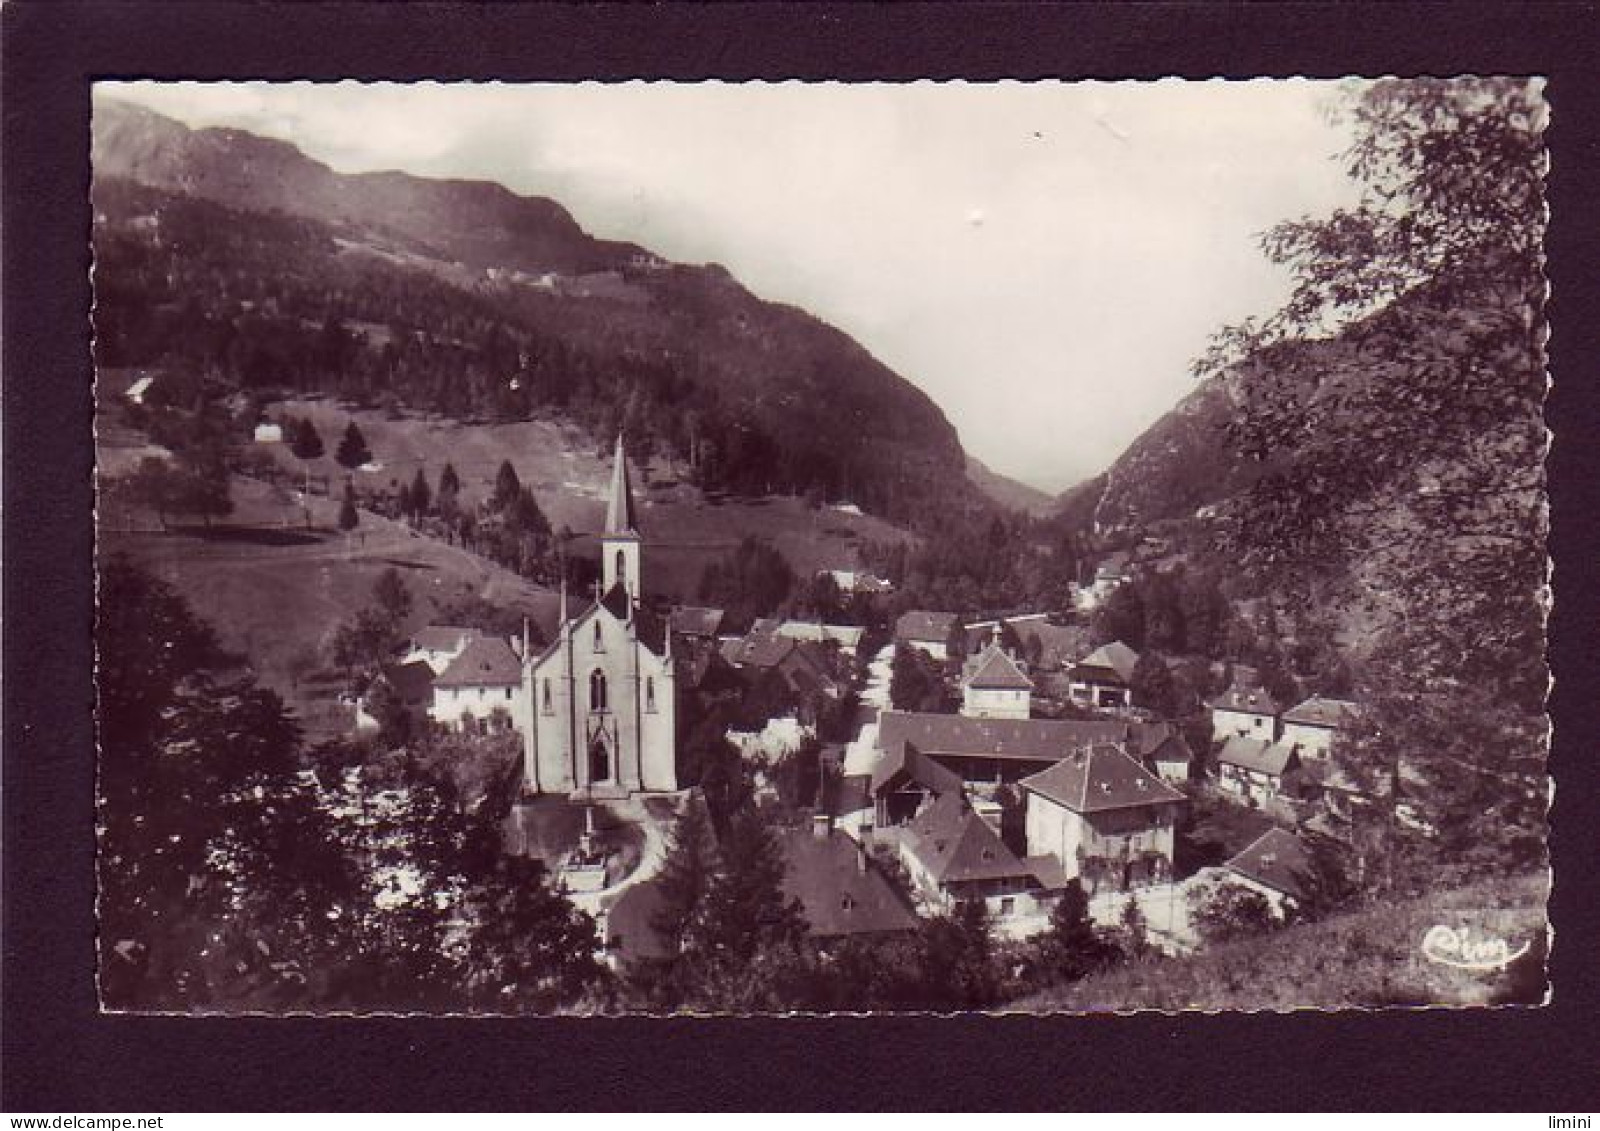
[[622, 570], [549, 709], [597, 690], [649, 693], [599, 640]]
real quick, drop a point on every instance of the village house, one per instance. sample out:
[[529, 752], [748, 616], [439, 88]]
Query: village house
[[906, 781], [853, 582], [477, 690], [438, 644], [1254, 769], [1103, 817], [841, 891], [954, 857], [847, 637], [1244, 710], [1104, 678], [412, 686], [695, 624], [1111, 574], [928, 631], [1161, 749], [1312, 726], [268, 432], [994, 686], [803, 668], [1050, 647], [1276, 866], [993, 750]]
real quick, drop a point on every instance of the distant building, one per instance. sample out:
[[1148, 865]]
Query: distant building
[[803, 667], [993, 750], [929, 631], [906, 781], [1253, 768], [412, 684], [995, 687], [1244, 710], [1276, 865], [1312, 726], [853, 582], [695, 623], [268, 432], [846, 636], [140, 389], [1161, 749], [1110, 575], [841, 891], [1104, 678], [1103, 817]]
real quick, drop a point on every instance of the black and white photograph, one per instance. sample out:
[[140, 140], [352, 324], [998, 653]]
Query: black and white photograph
[[773, 548]]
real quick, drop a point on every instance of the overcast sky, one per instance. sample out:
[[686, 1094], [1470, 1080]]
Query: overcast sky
[[1045, 260]]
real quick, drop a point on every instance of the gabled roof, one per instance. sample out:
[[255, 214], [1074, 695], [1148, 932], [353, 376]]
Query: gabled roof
[[1321, 712], [1276, 859], [487, 661], [839, 893], [845, 635], [996, 671], [620, 515], [1034, 740], [442, 637], [1161, 742], [955, 845], [919, 624], [1114, 565], [1115, 657], [1246, 700], [412, 682], [905, 763], [1256, 754], [1099, 779], [690, 620]]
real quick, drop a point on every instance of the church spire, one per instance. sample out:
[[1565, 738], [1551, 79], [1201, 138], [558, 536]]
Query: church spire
[[620, 517]]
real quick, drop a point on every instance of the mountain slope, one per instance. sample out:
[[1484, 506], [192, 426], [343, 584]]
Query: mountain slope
[[220, 252], [1009, 492]]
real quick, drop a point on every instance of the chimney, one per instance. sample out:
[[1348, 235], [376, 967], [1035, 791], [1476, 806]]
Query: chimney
[[821, 825]]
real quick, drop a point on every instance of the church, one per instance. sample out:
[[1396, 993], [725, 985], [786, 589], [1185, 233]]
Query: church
[[597, 709]]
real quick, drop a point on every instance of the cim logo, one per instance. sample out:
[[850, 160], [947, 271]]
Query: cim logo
[[1461, 948]]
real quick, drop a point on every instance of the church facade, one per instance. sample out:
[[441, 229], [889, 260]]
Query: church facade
[[598, 705]]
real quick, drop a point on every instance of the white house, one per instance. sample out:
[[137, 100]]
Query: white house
[[1104, 678], [268, 432], [954, 856], [478, 690], [1244, 710], [1275, 866], [995, 687], [438, 644], [1253, 768], [1311, 727], [1103, 817]]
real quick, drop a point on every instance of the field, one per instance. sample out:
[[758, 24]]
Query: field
[[1367, 958]]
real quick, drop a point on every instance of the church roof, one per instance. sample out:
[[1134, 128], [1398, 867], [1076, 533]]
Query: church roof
[[997, 671], [620, 515], [1098, 779], [487, 661]]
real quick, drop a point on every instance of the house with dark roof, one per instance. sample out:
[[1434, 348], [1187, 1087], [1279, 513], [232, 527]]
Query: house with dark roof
[[1103, 817], [1244, 709], [904, 782], [993, 750], [438, 644], [477, 691], [695, 623], [954, 857], [1104, 678], [1161, 748], [994, 686], [841, 891], [803, 667], [1254, 769], [1275, 865], [1312, 726], [930, 631]]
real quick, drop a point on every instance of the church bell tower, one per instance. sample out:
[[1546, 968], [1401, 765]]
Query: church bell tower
[[620, 542]]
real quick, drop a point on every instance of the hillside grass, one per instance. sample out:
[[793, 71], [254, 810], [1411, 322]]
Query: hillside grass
[[1367, 958]]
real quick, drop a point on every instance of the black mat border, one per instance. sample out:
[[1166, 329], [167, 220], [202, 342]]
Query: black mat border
[[60, 1056]]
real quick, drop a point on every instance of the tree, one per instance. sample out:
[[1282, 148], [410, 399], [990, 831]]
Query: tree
[[746, 909], [349, 517], [1135, 931], [419, 498], [528, 948], [304, 440], [391, 596], [353, 451], [1072, 948], [1222, 912], [507, 488], [1154, 688]]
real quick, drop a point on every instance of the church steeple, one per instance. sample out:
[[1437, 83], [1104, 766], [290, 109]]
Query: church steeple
[[620, 518], [619, 542]]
